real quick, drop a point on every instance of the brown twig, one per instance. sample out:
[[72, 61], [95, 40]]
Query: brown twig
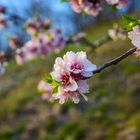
[[115, 61], [86, 42]]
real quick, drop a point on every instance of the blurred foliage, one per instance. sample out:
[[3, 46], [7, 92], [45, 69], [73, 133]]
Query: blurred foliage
[[112, 112]]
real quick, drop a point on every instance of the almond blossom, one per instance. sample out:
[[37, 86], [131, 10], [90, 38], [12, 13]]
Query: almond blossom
[[53, 40], [62, 75], [78, 64], [64, 95], [116, 33], [70, 71], [118, 3], [28, 52], [134, 35], [90, 7], [13, 42], [112, 2], [37, 25], [45, 90]]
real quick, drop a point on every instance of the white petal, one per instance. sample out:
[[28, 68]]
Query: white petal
[[59, 61], [56, 96], [87, 73], [83, 86], [72, 87], [81, 55], [75, 99], [88, 66], [69, 57], [56, 75]]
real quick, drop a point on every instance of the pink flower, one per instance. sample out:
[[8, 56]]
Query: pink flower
[[64, 95], [28, 52], [3, 22], [76, 6], [56, 39], [90, 7], [122, 3], [112, 2], [33, 25], [69, 72], [63, 76], [13, 42], [134, 35], [77, 63], [116, 33], [119, 3], [45, 90], [20, 56]]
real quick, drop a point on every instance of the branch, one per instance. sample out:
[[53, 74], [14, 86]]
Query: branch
[[115, 61], [86, 42]]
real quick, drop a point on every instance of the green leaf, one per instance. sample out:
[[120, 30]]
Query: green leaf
[[51, 81], [129, 18], [55, 90], [64, 0], [130, 22], [48, 79], [55, 83]]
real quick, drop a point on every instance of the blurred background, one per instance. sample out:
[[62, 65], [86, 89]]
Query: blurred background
[[113, 109]]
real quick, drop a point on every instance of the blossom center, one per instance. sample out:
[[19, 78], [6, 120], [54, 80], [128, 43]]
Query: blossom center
[[65, 79], [77, 76], [76, 67]]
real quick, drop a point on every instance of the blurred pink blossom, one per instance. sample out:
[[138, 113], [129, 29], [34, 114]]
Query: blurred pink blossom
[[134, 35], [116, 33], [45, 90], [90, 7]]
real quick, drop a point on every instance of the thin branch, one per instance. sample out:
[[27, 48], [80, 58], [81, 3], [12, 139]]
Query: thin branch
[[86, 42], [115, 61]]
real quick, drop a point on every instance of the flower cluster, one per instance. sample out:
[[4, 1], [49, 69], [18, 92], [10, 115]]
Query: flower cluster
[[37, 25], [53, 40], [43, 40], [68, 77], [90, 7], [93, 7], [134, 35], [117, 33], [3, 21]]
